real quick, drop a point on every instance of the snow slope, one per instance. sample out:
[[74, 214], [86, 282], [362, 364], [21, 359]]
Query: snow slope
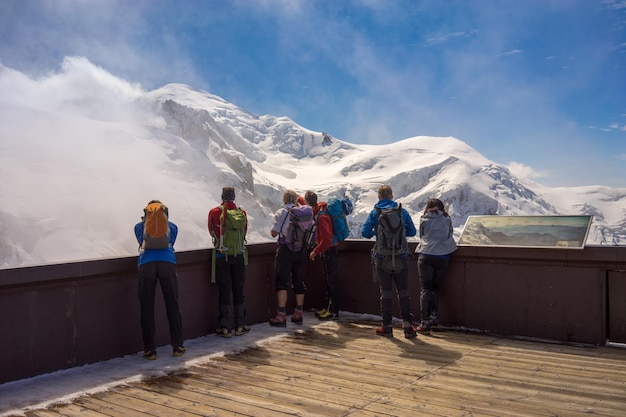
[[82, 152]]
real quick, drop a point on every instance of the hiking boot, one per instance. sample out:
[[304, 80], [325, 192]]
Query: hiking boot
[[321, 312], [297, 316], [149, 354], [386, 331], [224, 332], [423, 328], [327, 316], [179, 351], [242, 330], [409, 330], [433, 323], [280, 320]]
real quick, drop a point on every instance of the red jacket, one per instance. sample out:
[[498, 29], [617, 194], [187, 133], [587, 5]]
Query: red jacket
[[214, 218], [324, 237]]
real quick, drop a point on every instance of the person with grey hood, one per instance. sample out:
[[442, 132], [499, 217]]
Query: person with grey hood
[[434, 250]]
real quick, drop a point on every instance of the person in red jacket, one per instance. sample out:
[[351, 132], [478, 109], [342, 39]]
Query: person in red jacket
[[328, 251], [230, 274]]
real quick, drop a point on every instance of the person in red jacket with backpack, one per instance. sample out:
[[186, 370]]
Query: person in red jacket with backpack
[[230, 272], [328, 251]]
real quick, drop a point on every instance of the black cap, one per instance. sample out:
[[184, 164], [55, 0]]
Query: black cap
[[228, 194]]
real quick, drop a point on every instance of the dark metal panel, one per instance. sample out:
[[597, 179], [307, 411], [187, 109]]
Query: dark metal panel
[[359, 293], [106, 318], [534, 300], [35, 326], [617, 306], [451, 295], [563, 301], [494, 305]]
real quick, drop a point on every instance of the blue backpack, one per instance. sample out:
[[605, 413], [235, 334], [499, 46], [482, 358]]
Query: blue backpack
[[338, 210]]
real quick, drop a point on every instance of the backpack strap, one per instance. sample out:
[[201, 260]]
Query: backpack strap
[[282, 225], [222, 228], [313, 230], [213, 265], [222, 224]]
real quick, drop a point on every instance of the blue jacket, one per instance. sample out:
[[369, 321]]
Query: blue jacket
[[371, 224], [152, 255]]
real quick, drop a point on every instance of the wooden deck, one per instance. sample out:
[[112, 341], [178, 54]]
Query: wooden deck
[[344, 369]]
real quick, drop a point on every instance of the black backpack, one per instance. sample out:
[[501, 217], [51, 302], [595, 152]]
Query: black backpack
[[391, 237]]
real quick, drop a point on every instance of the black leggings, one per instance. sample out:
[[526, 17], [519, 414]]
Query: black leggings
[[432, 271]]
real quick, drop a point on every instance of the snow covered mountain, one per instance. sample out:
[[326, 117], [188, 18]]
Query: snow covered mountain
[[79, 164]]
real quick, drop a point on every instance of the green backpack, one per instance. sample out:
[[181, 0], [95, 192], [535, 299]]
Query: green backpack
[[232, 237], [233, 228]]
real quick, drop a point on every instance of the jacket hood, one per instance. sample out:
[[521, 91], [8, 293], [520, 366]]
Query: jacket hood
[[434, 214], [385, 203], [321, 206]]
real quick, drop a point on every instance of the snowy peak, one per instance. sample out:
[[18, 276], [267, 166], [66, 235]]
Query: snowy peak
[[182, 146], [274, 153]]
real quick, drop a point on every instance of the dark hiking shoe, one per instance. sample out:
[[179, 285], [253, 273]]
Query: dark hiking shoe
[[297, 316], [409, 330], [433, 323], [179, 351], [423, 328], [386, 331], [321, 312], [327, 316], [223, 332], [242, 330], [149, 354], [280, 320]]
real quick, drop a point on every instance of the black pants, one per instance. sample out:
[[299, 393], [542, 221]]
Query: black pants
[[432, 270], [386, 280], [165, 274], [330, 260], [230, 276], [289, 269]]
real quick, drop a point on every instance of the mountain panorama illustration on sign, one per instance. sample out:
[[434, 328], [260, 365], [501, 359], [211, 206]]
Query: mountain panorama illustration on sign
[[78, 171], [526, 231]]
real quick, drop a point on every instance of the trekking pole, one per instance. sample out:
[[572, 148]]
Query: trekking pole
[[213, 265], [373, 261]]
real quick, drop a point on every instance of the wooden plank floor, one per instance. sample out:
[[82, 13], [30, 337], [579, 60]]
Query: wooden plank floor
[[344, 369]]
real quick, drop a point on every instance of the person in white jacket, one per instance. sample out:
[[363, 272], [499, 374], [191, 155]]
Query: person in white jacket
[[434, 250]]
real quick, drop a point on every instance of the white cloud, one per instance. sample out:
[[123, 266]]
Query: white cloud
[[525, 171], [77, 141], [616, 126], [512, 52], [448, 37]]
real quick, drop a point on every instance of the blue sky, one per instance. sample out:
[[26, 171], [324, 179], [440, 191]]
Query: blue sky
[[539, 85]]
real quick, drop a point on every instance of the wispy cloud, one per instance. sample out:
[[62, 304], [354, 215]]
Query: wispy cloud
[[616, 126], [511, 52], [525, 171], [437, 40], [614, 4]]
